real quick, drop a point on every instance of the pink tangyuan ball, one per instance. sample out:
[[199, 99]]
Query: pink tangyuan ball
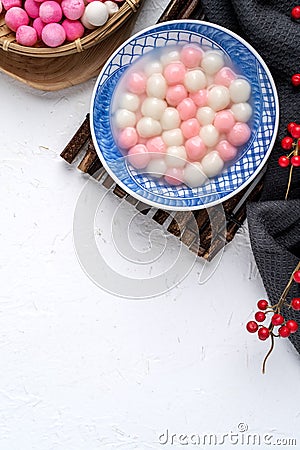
[[127, 138], [174, 73], [227, 151], [239, 134], [72, 9], [136, 83], [15, 17], [38, 25], [174, 176], [175, 94], [53, 34], [187, 109], [32, 8], [224, 121], [190, 128], [73, 28], [7, 4], [156, 147], [50, 12], [199, 97], [26, 35], [191, 56], [195, 148], [224, 77], [138, 156]]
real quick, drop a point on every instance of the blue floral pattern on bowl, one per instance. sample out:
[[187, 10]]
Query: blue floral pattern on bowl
[[245, 61]]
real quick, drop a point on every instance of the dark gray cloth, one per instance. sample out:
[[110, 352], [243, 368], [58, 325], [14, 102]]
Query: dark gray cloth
[[274, 223]]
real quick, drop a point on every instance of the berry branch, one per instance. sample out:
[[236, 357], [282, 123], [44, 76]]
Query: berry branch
[[293, 158], [286, 328]]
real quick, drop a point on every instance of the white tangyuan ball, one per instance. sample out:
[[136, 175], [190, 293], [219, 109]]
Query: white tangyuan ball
[[112, 7], [153, 107], [170, 119], [209, 135], [241, 112], [125, 118], [168, 57], [212, 164], [96, 13], [148, 127], [157, 167], [218, 97], [193, 175], [173, 137], [86, 23], [176, 156], [205, 115], [194, 80], [156, 86], [240, 90], [212, 62], [130, 101], [153, 67]]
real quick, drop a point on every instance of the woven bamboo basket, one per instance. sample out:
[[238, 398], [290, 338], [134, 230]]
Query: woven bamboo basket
[[8, 39], [40, 67]]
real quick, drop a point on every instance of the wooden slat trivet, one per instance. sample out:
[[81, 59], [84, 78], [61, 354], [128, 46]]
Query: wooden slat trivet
[[182, 224]]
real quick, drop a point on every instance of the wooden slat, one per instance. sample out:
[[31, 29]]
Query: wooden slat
[[179, 222], [183, 9], [77, 142], [119, 191], [161, 216], [89, 158]]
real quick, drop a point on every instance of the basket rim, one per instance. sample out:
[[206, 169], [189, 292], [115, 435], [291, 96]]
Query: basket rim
[[9, 44]]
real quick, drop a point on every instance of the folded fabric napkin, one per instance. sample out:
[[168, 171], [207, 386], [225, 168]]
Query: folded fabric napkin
[[274, 223]]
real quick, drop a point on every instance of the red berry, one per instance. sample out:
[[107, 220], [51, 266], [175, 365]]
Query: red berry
[[295, 13], [252, 326], [262, 304], [263, 333], [291, 126], [260, 316], [295, 161], [287, 142], [296, 79], [284, 331], [292, 326], [295, 132], [295, 304], [297, 276], [284, 161], [277, 319]]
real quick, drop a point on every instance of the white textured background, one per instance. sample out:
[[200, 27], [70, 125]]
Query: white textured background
[[84, 370]]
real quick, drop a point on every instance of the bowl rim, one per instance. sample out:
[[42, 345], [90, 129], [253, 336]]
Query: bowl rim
[[245, 183]]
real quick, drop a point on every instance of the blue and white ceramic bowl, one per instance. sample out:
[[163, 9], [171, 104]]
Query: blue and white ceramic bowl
[[264, 121]]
